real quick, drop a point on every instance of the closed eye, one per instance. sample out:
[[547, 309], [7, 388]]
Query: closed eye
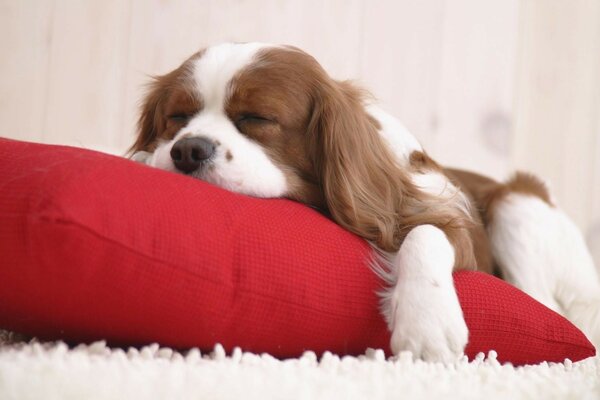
[[179, 117], [255, 118]]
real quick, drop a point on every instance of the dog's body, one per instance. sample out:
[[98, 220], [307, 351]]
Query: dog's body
[[267, 121]]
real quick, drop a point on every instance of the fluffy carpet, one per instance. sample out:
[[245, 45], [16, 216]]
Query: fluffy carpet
[[33, 370]]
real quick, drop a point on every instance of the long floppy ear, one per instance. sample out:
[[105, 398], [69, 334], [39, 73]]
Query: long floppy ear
[[362, 183], [151, 121]]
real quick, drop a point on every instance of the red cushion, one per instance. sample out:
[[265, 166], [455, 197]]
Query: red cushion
[[98, 247]]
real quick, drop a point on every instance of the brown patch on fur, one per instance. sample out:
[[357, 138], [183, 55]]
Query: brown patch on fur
[[167, 95], [318, 132], [526, 183], [228, 155], [465, 255], [278, 88], [465, 237], [476, 187], [521, 182], [485, 194], [372, 120], [460, 228], [366, 191], [421, 162]]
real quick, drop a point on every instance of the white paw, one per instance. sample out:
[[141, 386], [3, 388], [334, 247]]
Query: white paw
[[141, 156], [427, 320]]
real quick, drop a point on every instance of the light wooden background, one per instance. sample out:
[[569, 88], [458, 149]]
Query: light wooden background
[[485, 85]]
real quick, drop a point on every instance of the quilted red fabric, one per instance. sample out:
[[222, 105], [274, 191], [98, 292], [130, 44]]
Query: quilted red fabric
[[98, 247]]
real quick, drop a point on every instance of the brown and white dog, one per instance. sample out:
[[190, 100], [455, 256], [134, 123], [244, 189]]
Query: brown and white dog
[[268, 121]]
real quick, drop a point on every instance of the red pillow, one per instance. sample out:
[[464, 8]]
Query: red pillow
[[98, 247]]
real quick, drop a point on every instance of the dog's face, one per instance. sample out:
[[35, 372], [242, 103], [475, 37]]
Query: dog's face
[[238, 116], [267, 121]]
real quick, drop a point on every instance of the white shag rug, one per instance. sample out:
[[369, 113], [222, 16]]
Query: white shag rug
[[53, 371]]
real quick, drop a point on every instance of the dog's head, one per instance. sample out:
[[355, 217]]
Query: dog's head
[[268, 121]]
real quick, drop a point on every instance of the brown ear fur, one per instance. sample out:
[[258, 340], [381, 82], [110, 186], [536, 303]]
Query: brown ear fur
[[151, 123], [359, 176], [366, 191]]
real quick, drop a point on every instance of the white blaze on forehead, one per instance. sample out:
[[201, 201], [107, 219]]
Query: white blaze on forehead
[[218, 65], [238, 163]]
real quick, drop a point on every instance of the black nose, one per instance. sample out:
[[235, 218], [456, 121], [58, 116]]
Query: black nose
[[188, 153]]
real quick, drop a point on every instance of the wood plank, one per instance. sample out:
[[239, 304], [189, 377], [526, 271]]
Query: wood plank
[[85, 80], [557, 99], [400, 61], [475, 109], [24, 40], [593, 232], [164, 33]]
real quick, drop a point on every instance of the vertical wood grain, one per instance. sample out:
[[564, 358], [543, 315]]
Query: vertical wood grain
[[593, 232], [401, 60], [475, 104], [557, 100], [85, 72], [25, 39], [164, 33]]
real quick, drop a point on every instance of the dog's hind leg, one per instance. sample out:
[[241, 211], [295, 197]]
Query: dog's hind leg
[[541, 251]]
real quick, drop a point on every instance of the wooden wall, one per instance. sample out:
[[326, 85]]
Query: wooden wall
[[486, 85]]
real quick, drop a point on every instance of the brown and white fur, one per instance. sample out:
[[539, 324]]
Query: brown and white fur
[[268, 121]]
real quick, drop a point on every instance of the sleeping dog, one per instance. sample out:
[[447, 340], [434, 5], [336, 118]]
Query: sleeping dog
[[268, 121]]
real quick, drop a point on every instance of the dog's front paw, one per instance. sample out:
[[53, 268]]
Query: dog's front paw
[[141, 156], [428, 321]]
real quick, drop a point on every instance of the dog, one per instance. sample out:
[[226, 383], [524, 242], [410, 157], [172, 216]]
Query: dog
[[268, 121]]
